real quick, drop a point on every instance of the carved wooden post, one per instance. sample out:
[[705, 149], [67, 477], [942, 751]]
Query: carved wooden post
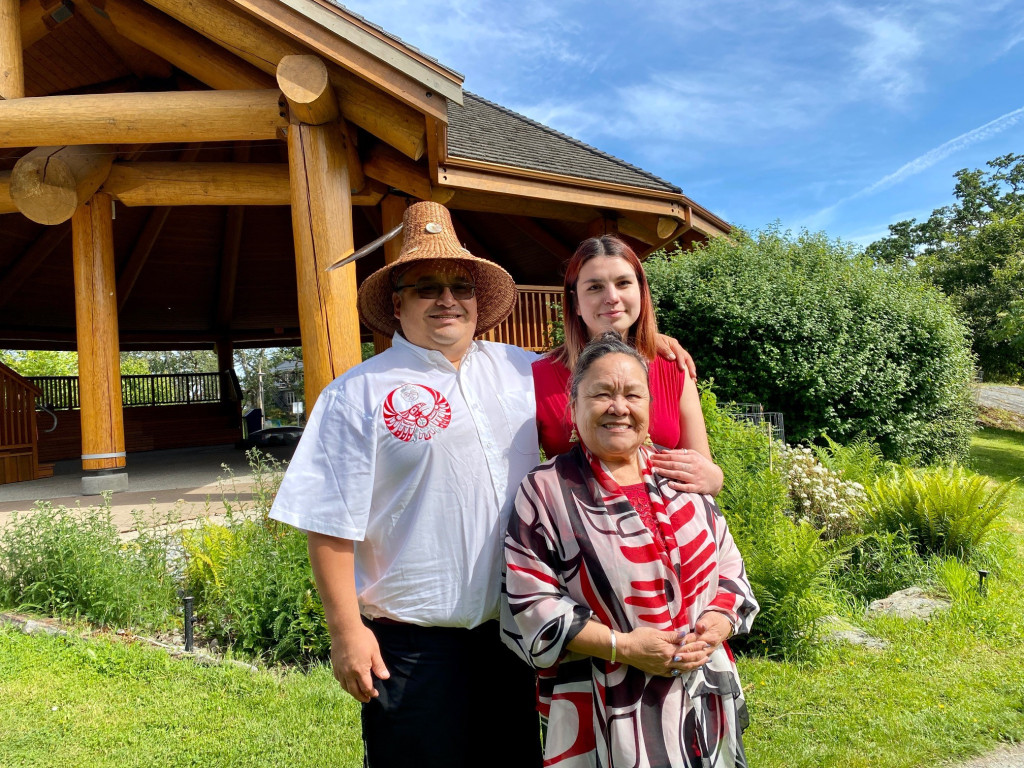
[[322, 228], [99, 360], [392, 211]]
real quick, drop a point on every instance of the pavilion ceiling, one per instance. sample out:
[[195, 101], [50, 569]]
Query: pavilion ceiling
[[189, 272]]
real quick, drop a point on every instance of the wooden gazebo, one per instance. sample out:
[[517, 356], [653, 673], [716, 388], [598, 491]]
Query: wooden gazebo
[[177, 174]]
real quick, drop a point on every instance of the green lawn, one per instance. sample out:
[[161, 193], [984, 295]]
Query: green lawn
[[943, 691], [72, 702]]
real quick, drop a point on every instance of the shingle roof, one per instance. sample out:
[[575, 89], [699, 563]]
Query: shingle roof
[[483, 130]]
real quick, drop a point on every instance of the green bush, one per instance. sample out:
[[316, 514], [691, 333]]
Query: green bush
[[806, 326], [859, 461], [944, 511], [252, 580], [72, 563]]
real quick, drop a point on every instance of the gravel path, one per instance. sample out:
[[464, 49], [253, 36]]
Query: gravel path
[[1004, 757], [1002, 396]]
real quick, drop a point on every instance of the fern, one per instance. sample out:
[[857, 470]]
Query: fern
[[946, 511]]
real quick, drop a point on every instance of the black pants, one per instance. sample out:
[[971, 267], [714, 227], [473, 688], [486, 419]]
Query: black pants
[[456, 698]]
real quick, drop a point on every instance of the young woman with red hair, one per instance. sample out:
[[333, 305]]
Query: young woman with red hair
[[605, 289]]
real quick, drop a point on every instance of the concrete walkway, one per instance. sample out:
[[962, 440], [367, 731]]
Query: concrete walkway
[[185, 483]]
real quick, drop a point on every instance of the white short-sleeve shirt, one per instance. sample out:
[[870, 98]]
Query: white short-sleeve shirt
[[418, 462]]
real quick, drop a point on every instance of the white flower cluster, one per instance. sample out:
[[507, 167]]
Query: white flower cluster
[[820, 496]]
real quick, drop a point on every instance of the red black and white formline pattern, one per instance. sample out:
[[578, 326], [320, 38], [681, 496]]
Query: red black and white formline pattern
[[577, 549], [416, 412]]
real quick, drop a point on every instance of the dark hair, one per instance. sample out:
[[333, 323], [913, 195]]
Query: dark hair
[[641, 334], [608, 343]]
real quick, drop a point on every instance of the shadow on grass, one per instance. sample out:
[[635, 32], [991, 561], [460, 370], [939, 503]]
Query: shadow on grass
[[999, 453]]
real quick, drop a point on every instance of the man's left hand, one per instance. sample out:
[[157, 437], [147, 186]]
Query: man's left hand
[[671, 349]]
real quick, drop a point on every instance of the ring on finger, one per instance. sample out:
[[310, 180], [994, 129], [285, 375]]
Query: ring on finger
[[676, 672]]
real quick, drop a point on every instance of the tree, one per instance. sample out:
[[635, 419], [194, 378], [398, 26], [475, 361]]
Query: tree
[[809, 327], [973, 250]]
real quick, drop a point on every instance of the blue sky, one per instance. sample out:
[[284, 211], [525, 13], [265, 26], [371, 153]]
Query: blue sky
[[842, 117]]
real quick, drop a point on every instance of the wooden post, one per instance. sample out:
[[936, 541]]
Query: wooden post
[[322, 229], [306, 85], [99, 361], [12, 67], [392, 211], [50, 183], [225, 349]]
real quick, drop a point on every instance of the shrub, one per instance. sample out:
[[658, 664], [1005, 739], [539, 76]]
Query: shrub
[[72, 563], [946, 511], [806, 326], [821, 497], [859, 461]]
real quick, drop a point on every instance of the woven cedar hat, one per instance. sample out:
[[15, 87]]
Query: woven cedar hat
[[429, 236]]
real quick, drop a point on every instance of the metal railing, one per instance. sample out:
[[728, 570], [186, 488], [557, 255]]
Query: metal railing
[[755, 413], [62, 392]]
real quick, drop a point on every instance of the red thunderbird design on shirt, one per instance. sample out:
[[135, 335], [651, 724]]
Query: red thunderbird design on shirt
[[420, 414]]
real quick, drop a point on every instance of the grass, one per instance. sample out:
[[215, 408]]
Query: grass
[[948, 689], [72, 702], [943, 691]]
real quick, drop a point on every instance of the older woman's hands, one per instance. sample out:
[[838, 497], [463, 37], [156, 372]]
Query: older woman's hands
[[688, 471], [670, 349], [713, 628], [659, 653]]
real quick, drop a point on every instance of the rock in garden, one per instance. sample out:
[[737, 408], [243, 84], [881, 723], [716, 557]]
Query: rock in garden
[[835, 630], [910, 603]]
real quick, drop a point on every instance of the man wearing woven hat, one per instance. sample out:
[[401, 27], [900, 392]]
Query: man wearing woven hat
[[404, 479]]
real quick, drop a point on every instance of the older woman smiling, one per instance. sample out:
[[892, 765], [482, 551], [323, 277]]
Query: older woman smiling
[[622, 591]]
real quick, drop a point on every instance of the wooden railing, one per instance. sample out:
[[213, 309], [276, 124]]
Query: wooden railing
[[529, 324], [18, 450], [61, 392]]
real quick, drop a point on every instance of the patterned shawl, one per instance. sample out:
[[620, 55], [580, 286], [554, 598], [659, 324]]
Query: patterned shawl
[[575, 550]]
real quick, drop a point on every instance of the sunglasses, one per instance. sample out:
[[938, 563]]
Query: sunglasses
[[460, 291]]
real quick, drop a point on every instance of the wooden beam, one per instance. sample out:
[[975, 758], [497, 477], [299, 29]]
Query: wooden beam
[[542, 237], [38, 17], [394, 169], [250, 38], [637, 231], [99, 361], [323, 30], [50, 183], [140, 253], [540, 189], [12, 65], [307, 87], [30, 260], [490, 202], [143, 62], [356, 177], [184, 183], [181, 46], [392, 211], [322, 229], [189, 183], [117, 118], [469, 239]]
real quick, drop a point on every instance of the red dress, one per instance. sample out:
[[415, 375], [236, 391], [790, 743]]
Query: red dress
[[551, 385]]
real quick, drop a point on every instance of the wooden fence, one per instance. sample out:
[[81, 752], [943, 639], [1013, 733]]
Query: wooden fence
[[530, 322]]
